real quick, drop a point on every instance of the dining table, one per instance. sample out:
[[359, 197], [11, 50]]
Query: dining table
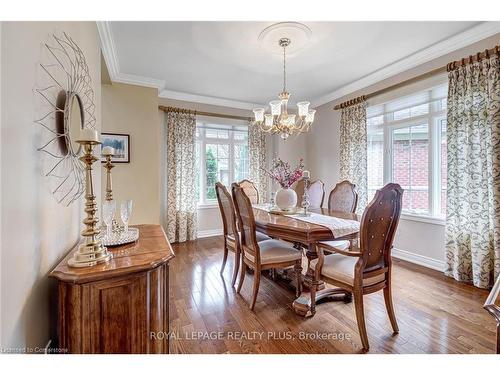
[[304, 234]]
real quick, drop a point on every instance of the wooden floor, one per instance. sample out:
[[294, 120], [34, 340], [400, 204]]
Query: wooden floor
[[435, 313]]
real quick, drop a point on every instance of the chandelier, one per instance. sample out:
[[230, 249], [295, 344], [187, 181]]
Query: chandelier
[[279, 121]]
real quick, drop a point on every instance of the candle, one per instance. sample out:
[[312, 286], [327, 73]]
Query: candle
[[305, 174], [107, 151], [89, 135]]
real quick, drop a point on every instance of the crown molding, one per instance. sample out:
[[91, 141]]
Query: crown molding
[[111, 57], [223, 102], [133, 79], [461, 40], [470, 36], [108, 49]]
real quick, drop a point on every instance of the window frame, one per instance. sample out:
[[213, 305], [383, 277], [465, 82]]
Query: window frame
[[202, 141], [433, 118]]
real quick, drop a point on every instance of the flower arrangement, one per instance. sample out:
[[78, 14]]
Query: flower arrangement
[[283, 174]]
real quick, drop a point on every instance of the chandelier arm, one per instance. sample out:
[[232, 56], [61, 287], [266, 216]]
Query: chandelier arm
[[265, 128]]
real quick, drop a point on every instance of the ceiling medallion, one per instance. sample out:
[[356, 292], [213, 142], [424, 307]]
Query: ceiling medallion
[[279, 121]]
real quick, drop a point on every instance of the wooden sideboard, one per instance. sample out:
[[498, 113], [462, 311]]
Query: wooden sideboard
[[121, 306]]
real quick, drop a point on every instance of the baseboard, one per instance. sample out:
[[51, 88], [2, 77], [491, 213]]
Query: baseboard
[[421, 260], [209, 233]]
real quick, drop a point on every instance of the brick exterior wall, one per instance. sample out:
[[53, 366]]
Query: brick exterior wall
[[401, 171]]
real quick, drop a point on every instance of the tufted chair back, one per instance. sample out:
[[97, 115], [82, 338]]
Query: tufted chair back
[[378, 227]]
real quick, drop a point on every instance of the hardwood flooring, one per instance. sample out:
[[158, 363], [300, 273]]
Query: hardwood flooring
[[435, 313]]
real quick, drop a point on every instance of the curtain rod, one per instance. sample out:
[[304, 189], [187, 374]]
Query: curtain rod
[[201, 113], [449, 67]]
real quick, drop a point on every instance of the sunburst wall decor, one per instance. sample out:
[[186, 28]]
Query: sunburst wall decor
[[65, 102]]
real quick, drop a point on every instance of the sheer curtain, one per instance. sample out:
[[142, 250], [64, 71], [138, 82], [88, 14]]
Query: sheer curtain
[[473, 192], [353, 150], [257, 154], [180, 220]]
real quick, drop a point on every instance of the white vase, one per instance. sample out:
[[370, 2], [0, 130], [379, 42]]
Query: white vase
[[286, 199]]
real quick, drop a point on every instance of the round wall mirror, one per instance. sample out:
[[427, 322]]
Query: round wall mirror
[[69, 122], [74, 124]]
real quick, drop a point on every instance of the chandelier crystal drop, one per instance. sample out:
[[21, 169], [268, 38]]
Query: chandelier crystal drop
[[279, 121]]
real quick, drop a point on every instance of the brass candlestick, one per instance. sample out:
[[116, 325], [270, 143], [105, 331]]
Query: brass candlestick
[[108, 165], [108, 153], [91, 251]]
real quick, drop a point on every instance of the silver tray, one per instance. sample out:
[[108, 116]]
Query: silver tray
[[293, 211], [120, 238]]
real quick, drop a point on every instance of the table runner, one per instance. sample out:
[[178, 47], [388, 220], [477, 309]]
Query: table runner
[[339, 227]]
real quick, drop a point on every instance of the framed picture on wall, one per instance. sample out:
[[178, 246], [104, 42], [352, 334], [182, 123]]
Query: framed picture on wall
[[121, 144]]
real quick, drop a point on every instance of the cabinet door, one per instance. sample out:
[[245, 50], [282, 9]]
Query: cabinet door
[[116, 314]]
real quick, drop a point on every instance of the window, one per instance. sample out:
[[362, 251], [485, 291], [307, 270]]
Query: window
[[221, 155], [407, 145]]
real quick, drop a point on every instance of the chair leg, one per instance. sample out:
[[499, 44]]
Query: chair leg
[[256, 283], [360, 317], [298, 275], [273, 274], [236, 266], [242, 276], [224, 259], [390, 308]]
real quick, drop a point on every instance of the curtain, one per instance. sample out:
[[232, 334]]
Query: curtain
[[257, 155], [353, 150], [181, 160], [473, 180]]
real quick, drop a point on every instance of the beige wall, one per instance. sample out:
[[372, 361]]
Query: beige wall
[[423, 239], [133, 110], [35, 231]]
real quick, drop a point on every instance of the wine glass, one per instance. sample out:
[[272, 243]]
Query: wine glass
[[125, 212], [108, 214]]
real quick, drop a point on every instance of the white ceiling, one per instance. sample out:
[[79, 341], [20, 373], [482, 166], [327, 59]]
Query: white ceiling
[[224, 63]]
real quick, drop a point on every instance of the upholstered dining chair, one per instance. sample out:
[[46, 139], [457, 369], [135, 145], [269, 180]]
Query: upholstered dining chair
[[250, 190], [367, 269], [231, 234], [316, 193], [264, 255], [343, 198]]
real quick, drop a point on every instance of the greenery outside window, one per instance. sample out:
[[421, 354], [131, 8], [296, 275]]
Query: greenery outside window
[[221, 155]]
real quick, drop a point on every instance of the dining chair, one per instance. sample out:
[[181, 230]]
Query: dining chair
[[343, 198], [316, 192], [264, 255], [230, 229], [368, 269], [250, 190]]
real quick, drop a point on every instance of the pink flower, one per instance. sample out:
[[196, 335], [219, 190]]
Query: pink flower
[[283, 174]]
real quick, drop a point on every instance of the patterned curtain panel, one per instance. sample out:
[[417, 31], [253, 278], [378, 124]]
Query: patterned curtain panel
[[181, 199], [257, 154], [353, 150], [473, 192]]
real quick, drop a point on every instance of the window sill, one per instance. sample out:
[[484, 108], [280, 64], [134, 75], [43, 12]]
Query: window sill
[[206, 206], [423, 219]]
